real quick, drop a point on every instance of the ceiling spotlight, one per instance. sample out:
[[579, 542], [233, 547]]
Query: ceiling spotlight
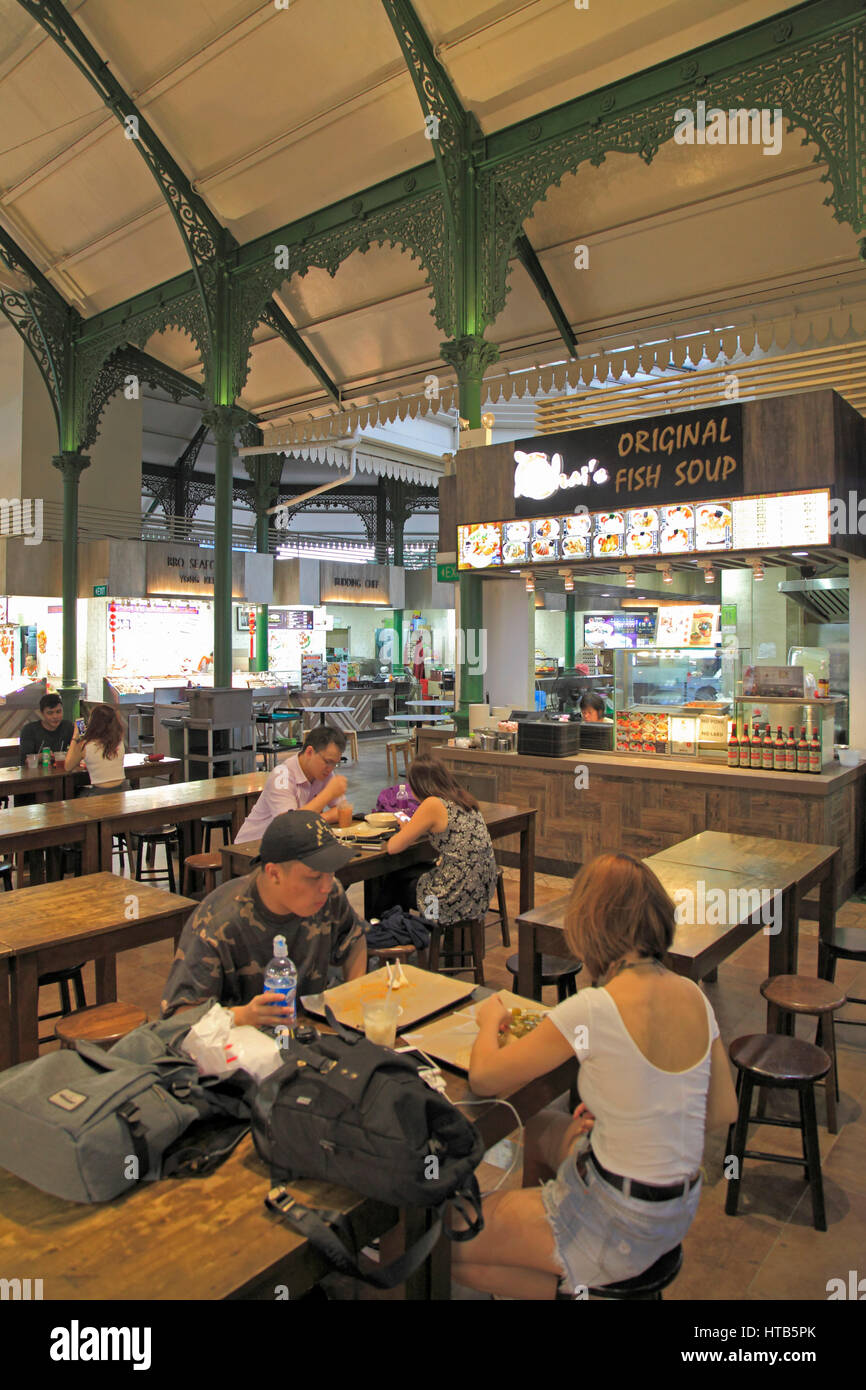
[[709, 574], [667, 573], [757, 570], [529, 579], [629, 572], [568, 577]]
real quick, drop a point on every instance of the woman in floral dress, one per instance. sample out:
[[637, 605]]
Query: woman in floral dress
[[460, 884]]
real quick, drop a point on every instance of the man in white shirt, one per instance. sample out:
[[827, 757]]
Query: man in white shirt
[[304, 781]]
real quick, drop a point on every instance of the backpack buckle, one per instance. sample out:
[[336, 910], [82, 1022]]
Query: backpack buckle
[[280, 1200]]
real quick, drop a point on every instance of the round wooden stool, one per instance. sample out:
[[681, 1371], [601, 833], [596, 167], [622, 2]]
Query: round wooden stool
[[847, 943], [772, 1059], [212, 823], [800, 994], [103, 1024], [554, 971], [208, 865], [648, 1285]]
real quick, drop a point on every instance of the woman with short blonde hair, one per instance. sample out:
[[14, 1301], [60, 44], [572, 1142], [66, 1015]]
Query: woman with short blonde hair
[[653, 1077]]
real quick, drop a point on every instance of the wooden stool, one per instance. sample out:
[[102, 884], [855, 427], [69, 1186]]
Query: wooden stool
[[352, 740], [772, 1059], [63, 978], [393, 748], [473, 951], [208, 865], [800, 994], [647, 1286], [848, 943], [103, 1024], [400, 953], [148, 840], [554, 971], [500, 912], [212, 823]]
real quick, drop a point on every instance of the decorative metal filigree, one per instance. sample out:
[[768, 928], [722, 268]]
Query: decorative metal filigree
[[42, 318], [114, 375], [819, 85]]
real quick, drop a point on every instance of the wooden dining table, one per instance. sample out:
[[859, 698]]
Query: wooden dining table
[[212, 1237], [183, 804], [47, 826], [369, 864], [54, 926], [54, 783]]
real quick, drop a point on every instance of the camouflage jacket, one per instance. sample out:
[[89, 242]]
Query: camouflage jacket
[[228, 943]]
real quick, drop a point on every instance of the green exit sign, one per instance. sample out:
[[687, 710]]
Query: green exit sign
[[100, 591], [447, 574]]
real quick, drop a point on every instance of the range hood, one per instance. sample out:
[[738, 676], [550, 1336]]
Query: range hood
[[825, 599]]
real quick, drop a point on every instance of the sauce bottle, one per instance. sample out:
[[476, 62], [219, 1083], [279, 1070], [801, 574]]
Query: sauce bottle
[[733, 748], [745, 748], [815, 758], [791, 751], [779, 751], [803, 752], [756, 747], [767, 750]]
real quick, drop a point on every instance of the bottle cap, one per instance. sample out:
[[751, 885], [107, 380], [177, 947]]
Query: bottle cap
[[281, 950]]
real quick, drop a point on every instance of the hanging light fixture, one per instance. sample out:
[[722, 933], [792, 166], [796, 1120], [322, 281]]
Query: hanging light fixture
[[529, 579], [757, 567], [629, 572], [709, 574], [568, 577], [667, 573]]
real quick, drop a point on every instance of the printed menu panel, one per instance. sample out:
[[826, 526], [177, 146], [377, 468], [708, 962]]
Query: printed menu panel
[[744, 523]]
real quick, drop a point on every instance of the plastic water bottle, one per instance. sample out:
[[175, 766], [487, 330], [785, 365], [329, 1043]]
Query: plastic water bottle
[[281, 977], [402, 806]]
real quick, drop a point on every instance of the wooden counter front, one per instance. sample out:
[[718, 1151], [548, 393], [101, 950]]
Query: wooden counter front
[[643, 805]]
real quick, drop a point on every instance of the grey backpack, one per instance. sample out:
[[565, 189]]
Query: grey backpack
[[88, 1125]]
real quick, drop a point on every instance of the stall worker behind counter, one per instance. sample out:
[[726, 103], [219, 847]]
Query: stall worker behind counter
[[50, 730], [228, 942], [592, 708], [305, 780]]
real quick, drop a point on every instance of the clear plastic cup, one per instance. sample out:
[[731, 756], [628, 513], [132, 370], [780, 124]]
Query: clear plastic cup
[[344, 814], [380, 1021]]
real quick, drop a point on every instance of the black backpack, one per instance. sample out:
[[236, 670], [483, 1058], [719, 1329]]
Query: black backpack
[[349, 1112]]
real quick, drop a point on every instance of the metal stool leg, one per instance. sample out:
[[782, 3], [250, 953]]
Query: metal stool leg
[[831, 1084], [738, 1148], [503, 909], [476, 931]]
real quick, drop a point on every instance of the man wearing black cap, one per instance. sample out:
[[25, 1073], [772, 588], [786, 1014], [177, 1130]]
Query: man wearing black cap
[[228, 942]]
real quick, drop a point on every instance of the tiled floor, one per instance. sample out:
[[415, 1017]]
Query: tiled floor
[[770, 1249]]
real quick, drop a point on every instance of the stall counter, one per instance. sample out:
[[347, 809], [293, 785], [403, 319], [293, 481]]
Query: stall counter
[[643, 805]]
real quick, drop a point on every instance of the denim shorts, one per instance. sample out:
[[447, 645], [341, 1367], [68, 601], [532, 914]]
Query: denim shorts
[[603, 1237]]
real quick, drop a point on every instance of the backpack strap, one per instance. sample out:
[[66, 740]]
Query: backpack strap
[[131, 1116], [330, 1233], [467, 1200]]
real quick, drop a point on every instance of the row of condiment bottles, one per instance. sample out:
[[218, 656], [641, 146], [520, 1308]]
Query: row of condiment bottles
[[777, 754]]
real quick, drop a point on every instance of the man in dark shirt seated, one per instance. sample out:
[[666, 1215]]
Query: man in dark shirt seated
[[50, 730], [228, 942]]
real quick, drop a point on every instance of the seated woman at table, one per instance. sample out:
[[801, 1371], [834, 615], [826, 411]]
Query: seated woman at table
[[100, 749], [461, 882], [653, 1074]]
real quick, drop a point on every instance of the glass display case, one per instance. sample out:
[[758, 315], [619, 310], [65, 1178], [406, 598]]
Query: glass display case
[[675, 701]]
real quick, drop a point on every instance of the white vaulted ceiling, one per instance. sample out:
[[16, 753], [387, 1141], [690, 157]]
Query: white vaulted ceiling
[[274, 113]]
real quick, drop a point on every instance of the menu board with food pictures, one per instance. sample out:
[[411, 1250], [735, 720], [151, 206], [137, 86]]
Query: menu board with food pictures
[[744, 523], [684, 625], [639, 731], [480, 545]]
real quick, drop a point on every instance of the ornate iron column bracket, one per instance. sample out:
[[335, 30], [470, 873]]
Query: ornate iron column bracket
[[470, 356]]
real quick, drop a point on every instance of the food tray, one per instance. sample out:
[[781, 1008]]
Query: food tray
[[450, 1040], [426, 994]]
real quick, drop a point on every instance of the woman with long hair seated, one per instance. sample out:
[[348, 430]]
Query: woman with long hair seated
[[460, 884], [101, 750], [653, 1078]]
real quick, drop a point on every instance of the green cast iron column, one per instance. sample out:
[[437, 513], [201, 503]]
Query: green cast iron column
[[469, 356], [70, 465], [265, 471], [570, 604], [223, 421]]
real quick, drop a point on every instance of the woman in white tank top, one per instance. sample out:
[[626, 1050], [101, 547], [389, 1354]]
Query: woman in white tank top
[[101, 750], [653, 1078]]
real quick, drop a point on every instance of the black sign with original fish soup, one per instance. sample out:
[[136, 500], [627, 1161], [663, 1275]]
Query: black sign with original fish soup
[[694, 456]]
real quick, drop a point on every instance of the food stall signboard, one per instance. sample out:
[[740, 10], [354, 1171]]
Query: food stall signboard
[[671, 529], [692, 456]]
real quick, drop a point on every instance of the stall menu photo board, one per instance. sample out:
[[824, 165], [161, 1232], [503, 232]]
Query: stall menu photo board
[[742, 523], [158, 637], [687, 625], [619, 629]]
